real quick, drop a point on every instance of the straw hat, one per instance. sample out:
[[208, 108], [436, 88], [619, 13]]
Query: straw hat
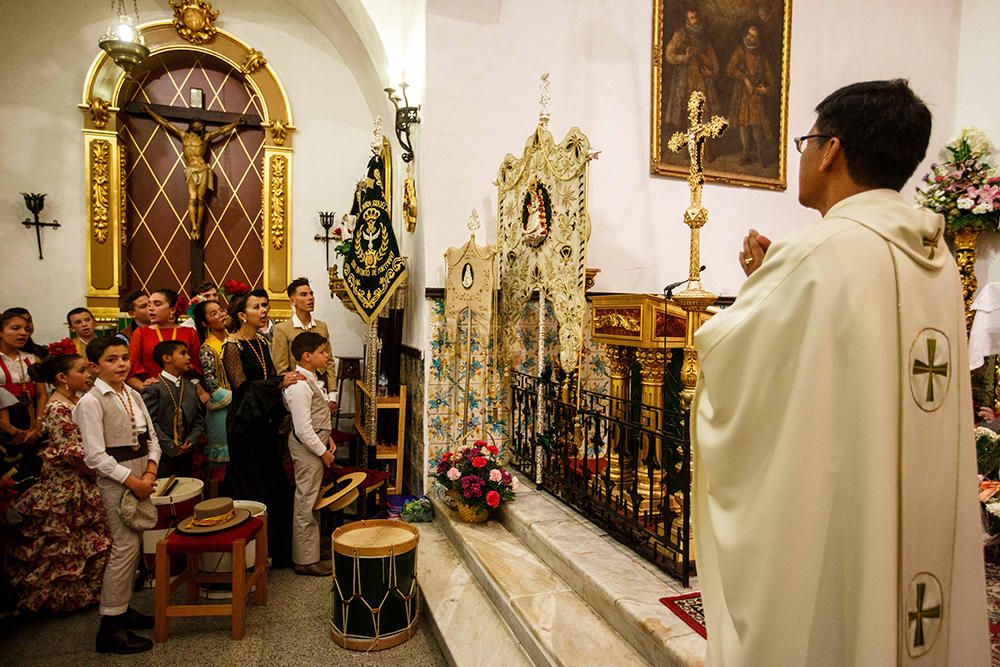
[[338, 495], [212, 516]]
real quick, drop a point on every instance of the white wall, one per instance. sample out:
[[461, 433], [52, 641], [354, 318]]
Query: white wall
[[43, 151], [483, 63], [978, 102]]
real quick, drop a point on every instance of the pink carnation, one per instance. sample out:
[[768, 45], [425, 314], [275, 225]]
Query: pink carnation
[[495, 475], [454, 474]]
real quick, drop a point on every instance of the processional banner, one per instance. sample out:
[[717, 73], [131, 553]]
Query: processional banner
[[542, 232], [373, 268]]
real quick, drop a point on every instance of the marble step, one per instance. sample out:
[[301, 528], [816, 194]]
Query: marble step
[[468, 628], [619, 584], [553, 624]]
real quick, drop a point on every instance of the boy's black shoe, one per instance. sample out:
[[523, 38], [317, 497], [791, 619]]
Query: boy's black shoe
[[114, 638], [133, 620]]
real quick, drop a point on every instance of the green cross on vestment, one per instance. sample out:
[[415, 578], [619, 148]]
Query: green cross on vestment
[[920, 614], [930, 369], [931, 244]]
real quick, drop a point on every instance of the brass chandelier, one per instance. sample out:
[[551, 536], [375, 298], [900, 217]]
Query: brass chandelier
[[123, 41]]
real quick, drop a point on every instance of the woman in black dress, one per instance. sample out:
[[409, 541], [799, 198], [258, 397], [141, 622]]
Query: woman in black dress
[[255, 470]]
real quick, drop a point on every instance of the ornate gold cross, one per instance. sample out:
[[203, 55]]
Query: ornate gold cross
[[695, 300], [695, 138]]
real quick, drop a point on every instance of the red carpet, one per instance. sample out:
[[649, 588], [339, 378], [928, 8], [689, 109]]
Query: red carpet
[[688, 608]]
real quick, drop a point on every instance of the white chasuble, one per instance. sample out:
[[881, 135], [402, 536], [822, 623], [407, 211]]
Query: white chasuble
[[835, 513]]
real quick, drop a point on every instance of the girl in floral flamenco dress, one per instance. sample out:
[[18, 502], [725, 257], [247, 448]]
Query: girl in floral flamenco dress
[[58, 561]]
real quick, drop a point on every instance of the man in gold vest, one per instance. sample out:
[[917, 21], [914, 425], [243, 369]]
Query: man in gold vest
[[835, 504]]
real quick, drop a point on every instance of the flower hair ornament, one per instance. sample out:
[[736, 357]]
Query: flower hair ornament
[[233, 288], [180, 308], [63, 348]]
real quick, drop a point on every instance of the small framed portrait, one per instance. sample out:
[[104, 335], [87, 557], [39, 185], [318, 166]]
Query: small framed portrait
[[736, 52]]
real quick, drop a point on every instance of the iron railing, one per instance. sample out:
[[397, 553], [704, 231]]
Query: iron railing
[[623, 465]]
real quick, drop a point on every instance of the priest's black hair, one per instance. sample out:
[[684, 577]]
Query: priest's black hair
[[883, 127]]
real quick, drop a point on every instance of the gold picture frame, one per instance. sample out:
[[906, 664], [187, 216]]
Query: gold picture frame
[[710, 51]]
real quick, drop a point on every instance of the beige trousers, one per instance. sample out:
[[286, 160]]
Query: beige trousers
[[126, 545], [305, 521]]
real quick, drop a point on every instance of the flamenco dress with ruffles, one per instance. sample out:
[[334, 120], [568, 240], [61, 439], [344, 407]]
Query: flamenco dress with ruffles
[[58, 561]]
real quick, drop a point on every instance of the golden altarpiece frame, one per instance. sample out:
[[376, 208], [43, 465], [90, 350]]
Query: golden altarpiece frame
[[104, 93]]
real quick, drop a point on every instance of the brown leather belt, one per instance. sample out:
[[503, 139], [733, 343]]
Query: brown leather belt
[[121, 454]]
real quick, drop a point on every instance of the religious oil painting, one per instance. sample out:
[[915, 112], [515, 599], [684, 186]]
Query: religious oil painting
[[736, 52]]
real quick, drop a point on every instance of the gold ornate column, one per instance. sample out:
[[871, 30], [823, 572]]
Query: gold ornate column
[[651, 367], [105, 182], [965, 256], [620, 371]]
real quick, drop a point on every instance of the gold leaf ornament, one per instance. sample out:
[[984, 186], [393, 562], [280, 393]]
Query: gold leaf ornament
[[194, 20]]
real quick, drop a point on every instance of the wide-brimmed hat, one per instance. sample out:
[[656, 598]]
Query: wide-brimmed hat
[[212, 516], [341, 493]]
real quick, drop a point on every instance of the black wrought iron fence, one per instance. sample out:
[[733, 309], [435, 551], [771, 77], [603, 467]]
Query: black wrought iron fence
[[623, 465]]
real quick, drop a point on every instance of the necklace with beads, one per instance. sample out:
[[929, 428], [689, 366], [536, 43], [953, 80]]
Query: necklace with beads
[[258, 355], [126, 403], [178, 402]]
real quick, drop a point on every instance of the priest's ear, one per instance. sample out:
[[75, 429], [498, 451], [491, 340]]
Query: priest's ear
[[830, 152]]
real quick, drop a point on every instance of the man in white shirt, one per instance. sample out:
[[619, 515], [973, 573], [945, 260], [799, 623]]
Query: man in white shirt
[[303, 303]]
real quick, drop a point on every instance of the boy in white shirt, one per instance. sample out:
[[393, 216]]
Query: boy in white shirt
[[310, 447], [119, 443]]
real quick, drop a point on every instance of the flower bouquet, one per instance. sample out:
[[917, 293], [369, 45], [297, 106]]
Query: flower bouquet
[[988, 462], [476, 480], [343, 235], [965, 187]]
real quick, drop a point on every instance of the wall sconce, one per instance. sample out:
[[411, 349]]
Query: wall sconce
[[326, 220], [35, 203], [406, 115]]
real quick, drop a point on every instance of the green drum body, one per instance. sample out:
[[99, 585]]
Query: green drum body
[[375, 595]]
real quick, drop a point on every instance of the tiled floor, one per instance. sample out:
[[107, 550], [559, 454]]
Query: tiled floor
[[292, 629]]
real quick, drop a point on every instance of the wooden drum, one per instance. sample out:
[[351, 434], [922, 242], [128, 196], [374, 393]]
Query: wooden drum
[[172, 508], [375, 594]]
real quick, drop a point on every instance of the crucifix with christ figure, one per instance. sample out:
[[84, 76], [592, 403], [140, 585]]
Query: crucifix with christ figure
[[195, 141]]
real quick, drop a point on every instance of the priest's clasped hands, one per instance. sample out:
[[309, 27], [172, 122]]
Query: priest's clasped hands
[[755, 245]]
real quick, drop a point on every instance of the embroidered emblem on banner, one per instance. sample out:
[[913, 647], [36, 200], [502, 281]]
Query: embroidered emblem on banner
[[373, 268], [924, 613], [930, 371]]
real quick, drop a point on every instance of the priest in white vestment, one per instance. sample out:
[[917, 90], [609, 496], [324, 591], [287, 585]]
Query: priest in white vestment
[[835, 510]]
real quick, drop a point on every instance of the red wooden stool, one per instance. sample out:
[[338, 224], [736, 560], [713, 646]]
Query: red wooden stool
[[233, 540]]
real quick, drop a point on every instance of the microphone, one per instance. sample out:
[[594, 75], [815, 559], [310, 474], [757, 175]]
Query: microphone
[[671, 286]]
